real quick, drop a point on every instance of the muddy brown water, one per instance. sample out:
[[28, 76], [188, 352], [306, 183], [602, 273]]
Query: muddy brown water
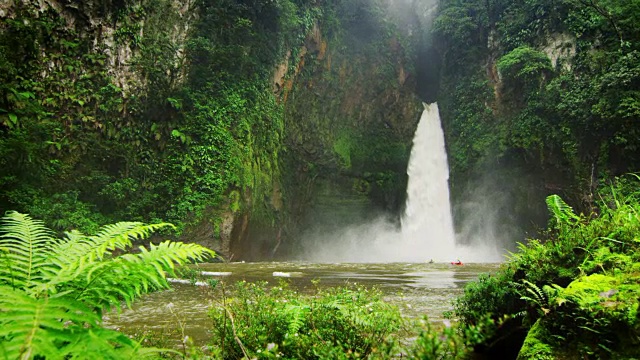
[[416, 288]]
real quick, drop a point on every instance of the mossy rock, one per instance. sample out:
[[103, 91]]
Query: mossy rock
[[596, 316], [535, 345]]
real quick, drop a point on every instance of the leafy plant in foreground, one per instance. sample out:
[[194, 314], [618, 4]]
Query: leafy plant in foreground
[[258, 321], [53, 291], [592, 264]]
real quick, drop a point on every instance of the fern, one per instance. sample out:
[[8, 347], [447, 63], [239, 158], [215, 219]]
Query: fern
[[26, 243], [540, 297], [296, 315], [58, 328], [73, 255], [562, 212], [105, 284], [31, 326], [53, 291]]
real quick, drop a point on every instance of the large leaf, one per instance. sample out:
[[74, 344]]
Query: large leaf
[[53, 292], [106, 284], [35, 326], [80, 254], [562, 212], [26, 245], [58, 328]]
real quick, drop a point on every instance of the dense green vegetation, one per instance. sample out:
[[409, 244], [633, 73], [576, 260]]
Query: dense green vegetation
[[54, 291], [575, 291], [174, 128], [543, 91], [144, 110], [269, 322], [572, 294], [147, 110], [546, 93]]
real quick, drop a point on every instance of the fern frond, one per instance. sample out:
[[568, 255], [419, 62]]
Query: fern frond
[[79, 252], [125, 278], [33, 326], [562, 212], [119, 235], [52, 292], [108, 344], [109, 238], [296, 315], [535, 290], [167, 254], [26, 245], [58, 328]]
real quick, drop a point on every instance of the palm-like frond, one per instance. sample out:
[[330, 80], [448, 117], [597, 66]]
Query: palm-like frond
[[296, 316], [26, 247], [52, 292], [76, 255], [167, 254], [107, 344], [562, 212], [32, 326], [128, 276], [119, 235], [107, 283], [57, 328]]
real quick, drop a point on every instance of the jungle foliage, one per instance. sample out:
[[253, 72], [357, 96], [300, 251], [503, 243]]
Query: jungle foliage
[[53, 291], [271, 321], [550, 87], [264, 322], [576, 290], [89, 135], [148, 110]]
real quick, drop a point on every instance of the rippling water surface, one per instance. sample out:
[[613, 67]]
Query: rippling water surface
[[417, 289]]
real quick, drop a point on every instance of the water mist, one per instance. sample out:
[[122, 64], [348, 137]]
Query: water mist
[[427, 232]]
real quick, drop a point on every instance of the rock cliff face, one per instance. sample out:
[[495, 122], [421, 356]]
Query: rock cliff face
[[113, 29], [528, 103], [246, 122], [350, 113]]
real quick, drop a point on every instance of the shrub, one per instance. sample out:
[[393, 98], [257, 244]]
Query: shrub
[[341, 323], [591, 264]]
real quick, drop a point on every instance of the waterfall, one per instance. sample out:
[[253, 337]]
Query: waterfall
[[427, 225]]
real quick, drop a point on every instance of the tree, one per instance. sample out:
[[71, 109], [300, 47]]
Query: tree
[[524, 65]]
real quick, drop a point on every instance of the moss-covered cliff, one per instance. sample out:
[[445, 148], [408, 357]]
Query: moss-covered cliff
[[350, 115], [538, 97], [241, 121]]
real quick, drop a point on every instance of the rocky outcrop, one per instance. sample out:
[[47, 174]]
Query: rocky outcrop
[[119, 101], [350, 114], [115, 30]]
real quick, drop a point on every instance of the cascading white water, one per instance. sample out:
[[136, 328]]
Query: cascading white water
[[427, 225]]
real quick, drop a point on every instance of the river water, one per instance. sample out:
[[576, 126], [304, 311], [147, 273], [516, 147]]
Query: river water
[[416, 288]]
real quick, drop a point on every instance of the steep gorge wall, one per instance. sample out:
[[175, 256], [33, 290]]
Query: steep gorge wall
[[536, 98], [241, 122], [141, 110], [86, 106], [350, 111]]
